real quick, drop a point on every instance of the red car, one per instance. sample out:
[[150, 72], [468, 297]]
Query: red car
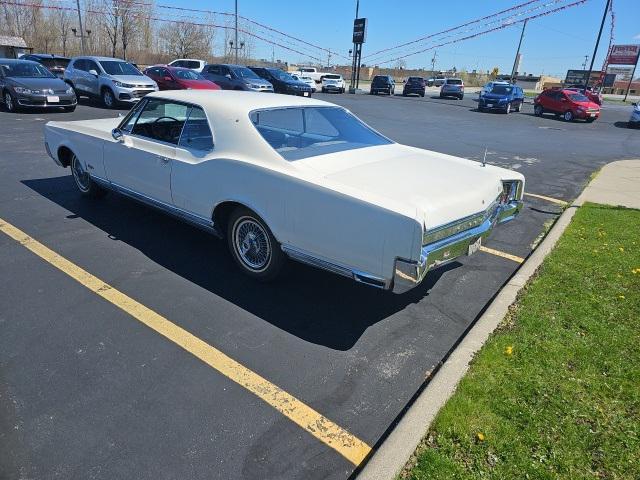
[[566, 103], [178, 78], [592, 94]]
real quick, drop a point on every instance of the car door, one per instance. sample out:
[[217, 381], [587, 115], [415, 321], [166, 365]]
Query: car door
[[76, 75], [140, 161], [92, 82], [212, 73], [195, 146]]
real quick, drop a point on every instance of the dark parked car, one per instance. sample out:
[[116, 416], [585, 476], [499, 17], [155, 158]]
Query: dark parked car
[[54, 63], [236, 77], [24, 83], [283, 82], [452, 87], [177, 78], [503, 97], [384, 84], [414, 85]]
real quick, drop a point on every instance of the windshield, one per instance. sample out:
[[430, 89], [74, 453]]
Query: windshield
[[244, 72], [578, 97], [280, 75], [302, 132], [113, 67], [26, 70], [187, 75], [501, 89], [55, 62]]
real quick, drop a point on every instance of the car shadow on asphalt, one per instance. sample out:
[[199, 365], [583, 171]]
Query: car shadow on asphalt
[[316, 306]]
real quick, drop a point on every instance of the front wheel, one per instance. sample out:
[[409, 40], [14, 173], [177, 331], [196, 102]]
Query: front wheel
[[83, 181], [253, 246], [10, 103], [108, 100], [568, 116]]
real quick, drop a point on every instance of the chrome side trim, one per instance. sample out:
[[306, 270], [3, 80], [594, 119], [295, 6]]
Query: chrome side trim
[[196, 220], [357, 275]]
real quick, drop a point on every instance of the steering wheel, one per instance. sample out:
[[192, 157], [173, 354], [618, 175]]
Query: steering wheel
[[164, 133]]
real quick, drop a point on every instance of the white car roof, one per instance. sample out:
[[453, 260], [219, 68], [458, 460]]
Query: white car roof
[[237, 102]]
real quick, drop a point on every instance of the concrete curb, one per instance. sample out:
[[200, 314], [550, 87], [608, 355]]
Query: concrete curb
[[390, 458]]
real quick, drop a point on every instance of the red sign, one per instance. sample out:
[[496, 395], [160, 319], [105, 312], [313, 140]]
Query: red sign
[[624, 54]]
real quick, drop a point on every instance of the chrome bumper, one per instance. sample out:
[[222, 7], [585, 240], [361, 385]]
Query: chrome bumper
[[409, 274]]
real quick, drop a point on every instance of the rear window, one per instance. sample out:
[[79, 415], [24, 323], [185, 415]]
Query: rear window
[[302, 132], [333, 77], [502, 89], [415, 79], [454, 81], [55, 62]]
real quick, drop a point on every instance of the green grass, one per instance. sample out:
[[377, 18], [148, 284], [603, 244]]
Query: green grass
[[565, 403]]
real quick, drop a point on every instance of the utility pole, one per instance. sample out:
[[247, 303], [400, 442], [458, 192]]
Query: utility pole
[[515, 61], [81, 29], [355, 56], [236, 34], [595, 49], [584, 64], [433, 65], [329, 58]]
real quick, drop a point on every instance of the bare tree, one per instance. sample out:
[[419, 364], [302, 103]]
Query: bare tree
[[63, 26], [110, 22], [183, 40]]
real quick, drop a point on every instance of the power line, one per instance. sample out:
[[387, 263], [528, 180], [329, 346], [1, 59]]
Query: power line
[[500, 27]]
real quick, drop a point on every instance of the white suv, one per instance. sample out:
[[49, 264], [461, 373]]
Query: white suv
[[332, 82], [190, 63]]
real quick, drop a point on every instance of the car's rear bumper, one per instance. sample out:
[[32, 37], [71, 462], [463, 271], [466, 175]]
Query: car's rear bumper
[[409, 274], [413, 90]]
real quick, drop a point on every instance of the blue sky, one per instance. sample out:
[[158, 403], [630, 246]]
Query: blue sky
[[551, 45]]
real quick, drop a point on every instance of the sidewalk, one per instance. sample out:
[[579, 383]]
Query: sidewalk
[[617, 184]]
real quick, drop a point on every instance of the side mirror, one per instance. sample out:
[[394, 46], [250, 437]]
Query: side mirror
[[117, 134], [93, 72]]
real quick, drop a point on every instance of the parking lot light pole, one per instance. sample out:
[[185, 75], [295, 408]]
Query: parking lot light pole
[[236, 34], [595, 49]]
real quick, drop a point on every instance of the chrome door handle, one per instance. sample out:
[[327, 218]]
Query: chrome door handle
[[164, 160]]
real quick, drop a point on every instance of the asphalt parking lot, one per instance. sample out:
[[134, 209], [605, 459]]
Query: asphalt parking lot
[[86, 391]]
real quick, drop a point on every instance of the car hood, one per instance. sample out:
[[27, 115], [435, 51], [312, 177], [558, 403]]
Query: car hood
[[200, 84], [39, 83], [136, 79], [439, 188], [495, 96], [257, 81]]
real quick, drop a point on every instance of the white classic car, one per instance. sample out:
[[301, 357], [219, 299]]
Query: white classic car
[[288, 177]]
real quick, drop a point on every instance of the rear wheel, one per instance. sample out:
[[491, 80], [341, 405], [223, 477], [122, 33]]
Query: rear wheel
[[253, 246], [537, 111], [568, 116], [83, 181]]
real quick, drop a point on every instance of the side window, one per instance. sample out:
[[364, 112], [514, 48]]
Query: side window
[[132, 116], [161, 120], [289, 119], [178, 63], [80, 64], [224, 71], [91, 65], [196, 134], [215, 69]]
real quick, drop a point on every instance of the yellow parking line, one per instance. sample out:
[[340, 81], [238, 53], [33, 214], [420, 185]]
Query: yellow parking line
[[336, 437], [548, 199], [515, 258]]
